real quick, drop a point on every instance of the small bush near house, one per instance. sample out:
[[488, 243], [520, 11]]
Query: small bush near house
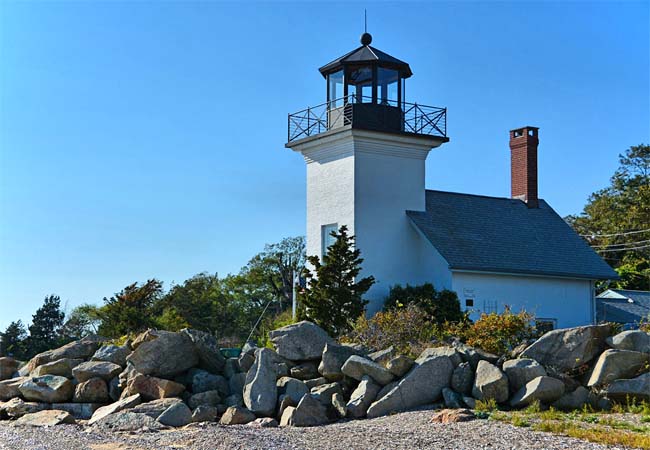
[[499, 333], [441, 306], [408, 329]]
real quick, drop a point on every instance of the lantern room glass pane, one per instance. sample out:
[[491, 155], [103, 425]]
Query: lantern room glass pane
[[387, 80], [360, 84], [335, 89]]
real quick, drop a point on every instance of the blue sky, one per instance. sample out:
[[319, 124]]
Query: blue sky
[[146, 139]]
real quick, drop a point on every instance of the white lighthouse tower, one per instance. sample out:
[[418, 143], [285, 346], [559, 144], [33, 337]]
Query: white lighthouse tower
[[365, 150]]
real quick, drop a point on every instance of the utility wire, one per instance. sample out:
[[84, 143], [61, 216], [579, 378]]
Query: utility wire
[[621, 244], [622, 249], [594, 235]]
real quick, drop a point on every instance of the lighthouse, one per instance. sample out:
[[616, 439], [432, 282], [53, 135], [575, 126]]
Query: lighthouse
[[365, 149]]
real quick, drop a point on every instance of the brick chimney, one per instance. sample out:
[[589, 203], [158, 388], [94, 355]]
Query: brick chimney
[[523, 165]]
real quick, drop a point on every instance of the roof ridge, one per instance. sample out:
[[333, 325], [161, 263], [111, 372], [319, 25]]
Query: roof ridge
[[628, 290], [475, 195]]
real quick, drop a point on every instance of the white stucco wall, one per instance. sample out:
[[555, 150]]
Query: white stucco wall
[[569, 301], [367, 180]]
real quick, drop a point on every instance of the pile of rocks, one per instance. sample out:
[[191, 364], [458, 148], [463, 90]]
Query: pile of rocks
[[172, 379]]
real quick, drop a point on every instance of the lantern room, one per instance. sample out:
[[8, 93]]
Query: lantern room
[[366, 75]]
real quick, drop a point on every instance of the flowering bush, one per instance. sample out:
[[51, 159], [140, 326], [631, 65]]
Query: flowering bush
[[405, 328], [499, 333]]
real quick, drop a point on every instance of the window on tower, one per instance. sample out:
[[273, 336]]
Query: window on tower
[[387, 80], [326, 237], [335, 89]]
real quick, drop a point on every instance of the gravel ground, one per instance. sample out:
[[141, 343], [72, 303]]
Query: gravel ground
[[410, 430]]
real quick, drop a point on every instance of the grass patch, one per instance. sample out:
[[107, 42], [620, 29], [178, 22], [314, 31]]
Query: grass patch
[[486, 406], [599, 434], [601, 428]]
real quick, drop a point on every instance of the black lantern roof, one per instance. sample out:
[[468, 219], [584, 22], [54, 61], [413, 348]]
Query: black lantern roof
[[367, 55]]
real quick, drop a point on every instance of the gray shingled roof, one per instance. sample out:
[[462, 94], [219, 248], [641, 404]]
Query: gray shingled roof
[[621, 310], [491, 234], [367, 54]]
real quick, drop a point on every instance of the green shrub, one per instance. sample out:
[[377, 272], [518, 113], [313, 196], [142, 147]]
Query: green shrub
[[273, 323], [408, 329], [499, 333], [441, 306]]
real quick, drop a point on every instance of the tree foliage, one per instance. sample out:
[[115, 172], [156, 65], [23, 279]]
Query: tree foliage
[[82, 321], [616, 220], [44, 332], [130, 310], [13, 342], [440, 306], [333, 296]]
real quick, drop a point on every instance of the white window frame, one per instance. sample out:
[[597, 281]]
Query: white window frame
[[325, 231]]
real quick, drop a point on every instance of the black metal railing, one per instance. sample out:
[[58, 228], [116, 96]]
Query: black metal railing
[[415, 118]]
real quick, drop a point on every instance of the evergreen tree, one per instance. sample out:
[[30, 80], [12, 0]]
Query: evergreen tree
[[333, 297], [131, 310], [12, 342], [45, 327]]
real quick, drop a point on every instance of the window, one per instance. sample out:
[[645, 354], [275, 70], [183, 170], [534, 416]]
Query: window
[[360, 84], [469, 302], [326, 237], [545, 325], [335, 88], [489, 306], [387, 84]]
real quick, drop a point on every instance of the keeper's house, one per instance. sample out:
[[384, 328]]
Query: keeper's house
[[365, 150]]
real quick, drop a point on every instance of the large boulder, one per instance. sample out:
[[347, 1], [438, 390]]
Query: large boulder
[[568, 348], [94, 390], [310, 412], [325, 392], [155, 408], [207, 398], [362, 397], [11, 388], [205, 413], [61, 367], [236, 415], [490, 383], [47, 389], [635, 389], [334, 356], [473, 355], [616, 364], [292, 388], [422, 385], [236, 383], [201, 381], [47, 418], [521, 371], [96, 369], [8, 367], [300, 341], [17, 407], [81, 349], [260, 391], [165, 355], [399, 365], [452, 398], [152, 388], [462, 379], [383, 356], [453, 354], [177, 415], [305, 371], [573, 400], [113, 408], [207, 348], [128, 421], [543, 389], [115, 354], [82, 411], [634, 340], [357, 366]]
